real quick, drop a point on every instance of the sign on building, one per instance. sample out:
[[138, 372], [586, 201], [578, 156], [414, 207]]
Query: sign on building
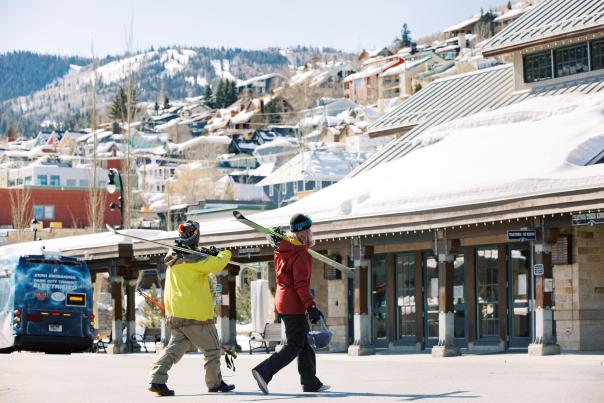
[[590, 219], [538, 270], [522, 235]]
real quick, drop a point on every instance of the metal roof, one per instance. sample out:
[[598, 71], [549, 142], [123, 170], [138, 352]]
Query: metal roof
[[548, 20], [456, 97], [443, 100]]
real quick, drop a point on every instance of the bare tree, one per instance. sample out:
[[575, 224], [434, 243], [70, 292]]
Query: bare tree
[[21, 209], [97, 198]]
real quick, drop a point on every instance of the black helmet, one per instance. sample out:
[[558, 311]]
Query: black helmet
[[300, 222], [188, 234]]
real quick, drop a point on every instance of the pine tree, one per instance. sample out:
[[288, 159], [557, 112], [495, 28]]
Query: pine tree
[[230, 93], [509, 5], [156, 107], [208, 97], [405, 39], [220, 94], [118, 111], [166, 103]]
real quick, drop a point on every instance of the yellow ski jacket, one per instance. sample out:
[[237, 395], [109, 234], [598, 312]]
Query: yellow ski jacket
[[187, 290]]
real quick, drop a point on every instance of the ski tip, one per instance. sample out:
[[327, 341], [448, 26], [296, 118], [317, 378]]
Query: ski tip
[[237, 214]]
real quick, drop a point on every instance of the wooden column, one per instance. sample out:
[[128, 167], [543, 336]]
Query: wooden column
[[117, 326], [131, 312]]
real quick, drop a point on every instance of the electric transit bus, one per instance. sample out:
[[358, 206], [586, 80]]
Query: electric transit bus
[[45, 304]]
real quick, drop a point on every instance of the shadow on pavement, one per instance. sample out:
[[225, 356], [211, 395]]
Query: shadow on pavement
[[282, 396]]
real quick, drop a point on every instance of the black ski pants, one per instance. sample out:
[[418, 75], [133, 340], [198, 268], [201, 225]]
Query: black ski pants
[[296, 331]]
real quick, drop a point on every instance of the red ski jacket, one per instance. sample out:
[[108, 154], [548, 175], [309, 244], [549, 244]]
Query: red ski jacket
[[293, 266]]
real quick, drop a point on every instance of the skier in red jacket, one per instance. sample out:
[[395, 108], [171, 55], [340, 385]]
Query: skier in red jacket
[[293, 302]]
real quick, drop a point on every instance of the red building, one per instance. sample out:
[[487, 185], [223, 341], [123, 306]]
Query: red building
[[69, 207]]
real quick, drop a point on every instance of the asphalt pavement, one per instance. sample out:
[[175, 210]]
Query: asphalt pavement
[[35, 377]]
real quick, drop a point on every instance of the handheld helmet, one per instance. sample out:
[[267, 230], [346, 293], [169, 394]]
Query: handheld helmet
[[188, 234], [320, 338]]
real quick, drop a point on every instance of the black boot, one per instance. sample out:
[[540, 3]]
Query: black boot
[[223, 387], [161, 389]]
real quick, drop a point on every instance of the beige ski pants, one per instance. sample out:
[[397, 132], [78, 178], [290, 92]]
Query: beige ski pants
[[185, 335]]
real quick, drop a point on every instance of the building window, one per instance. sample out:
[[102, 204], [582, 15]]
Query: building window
[[487, 292], [405, 295], [597, 55], [571, 60], [284, 189], [44, 212], [42, 180], [537, 67], [310, 185], [84, 183], [55, 180], [271, 190], [71, 183], [27, 180]]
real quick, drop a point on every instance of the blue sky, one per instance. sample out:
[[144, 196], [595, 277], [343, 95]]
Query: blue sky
[[69, 26]]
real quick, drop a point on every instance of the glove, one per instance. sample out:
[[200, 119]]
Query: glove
[[171, 258], [314, 314], [273, 239], [213, 251]]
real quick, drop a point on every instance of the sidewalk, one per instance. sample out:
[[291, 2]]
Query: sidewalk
[[27, 377]]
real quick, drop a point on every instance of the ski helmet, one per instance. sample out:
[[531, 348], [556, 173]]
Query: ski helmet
[[300, 222], [188, 234], [320, 338]]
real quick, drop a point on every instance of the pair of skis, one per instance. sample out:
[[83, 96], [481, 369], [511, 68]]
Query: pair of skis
[[175, 247], [267, 231]]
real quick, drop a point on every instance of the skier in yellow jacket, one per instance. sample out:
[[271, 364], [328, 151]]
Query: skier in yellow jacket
[[190, 312]]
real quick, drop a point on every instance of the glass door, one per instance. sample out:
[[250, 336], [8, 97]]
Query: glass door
[[459, 301], [430, 300], [519, 259], [405, 297], [379, 302], [487, 294]]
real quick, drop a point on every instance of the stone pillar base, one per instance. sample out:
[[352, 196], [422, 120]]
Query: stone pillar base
[[445, 351], [113, 348], [355, 350], [543, 349]]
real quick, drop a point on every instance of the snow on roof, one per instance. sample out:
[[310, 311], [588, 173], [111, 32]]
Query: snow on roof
[[80, 242], [513, 13], [314, 165], [408, 65], [566, 131], [203, 140], [470, 21], [258, 78]]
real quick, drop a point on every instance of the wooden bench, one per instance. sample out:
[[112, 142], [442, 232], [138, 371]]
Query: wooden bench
[[150, 335], [271, 333]]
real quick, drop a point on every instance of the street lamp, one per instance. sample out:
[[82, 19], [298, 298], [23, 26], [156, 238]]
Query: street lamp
[[34, 228], [114, 176]]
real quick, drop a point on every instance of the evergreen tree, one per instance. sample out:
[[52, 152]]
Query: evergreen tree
[[220, 94], [166, 103], [156, 107], [405, 39], [230, 93], [118, 111], [208, 97], [509, 5]]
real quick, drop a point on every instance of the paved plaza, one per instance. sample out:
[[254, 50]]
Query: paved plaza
[[34, 377]]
